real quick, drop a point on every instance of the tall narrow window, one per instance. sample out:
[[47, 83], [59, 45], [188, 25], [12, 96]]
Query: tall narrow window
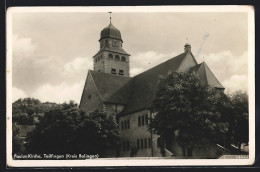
[[96, 59], [158, 142], [127, 145], [125, 126], [189, 152], [183, 151], [121, 72], [145, 143], [149, 142], [128, 124], [139, 121], [123, 145], [113, 71], [110, 56], [138, 144], [123, 58], [146, 119], [142, 144], [142, 120], [117, 57], [122, 125]]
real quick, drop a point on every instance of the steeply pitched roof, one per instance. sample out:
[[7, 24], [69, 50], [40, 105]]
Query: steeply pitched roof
[[137, 93], [111, 88], [206, 76], [144, 84]]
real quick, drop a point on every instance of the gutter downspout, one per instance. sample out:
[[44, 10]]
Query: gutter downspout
[[151, 136]]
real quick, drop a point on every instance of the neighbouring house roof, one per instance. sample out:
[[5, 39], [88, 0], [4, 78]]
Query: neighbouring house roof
[[206, 76], [25, 129]]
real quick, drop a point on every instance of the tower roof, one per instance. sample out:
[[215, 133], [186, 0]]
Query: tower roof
[[110, 32], [187, 44]]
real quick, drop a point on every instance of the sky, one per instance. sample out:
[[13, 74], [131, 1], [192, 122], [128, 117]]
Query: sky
[[52, 51]]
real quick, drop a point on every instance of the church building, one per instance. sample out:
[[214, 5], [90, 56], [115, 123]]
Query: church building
[[110, 88]]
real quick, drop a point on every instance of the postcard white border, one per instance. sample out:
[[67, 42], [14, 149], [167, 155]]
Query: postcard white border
[[142, 161]]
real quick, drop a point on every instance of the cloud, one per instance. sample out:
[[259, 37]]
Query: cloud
[[22, 48], [146, 60], [236, 82], [230, 70], [31, 69], [135, 71], [17, 94], [60, 93], [78, 66]]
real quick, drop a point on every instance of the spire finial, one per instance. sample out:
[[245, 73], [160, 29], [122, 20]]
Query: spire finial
[[187, 39], [110, 16]]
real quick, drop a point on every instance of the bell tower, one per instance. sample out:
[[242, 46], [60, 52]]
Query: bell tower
[[111, 57]]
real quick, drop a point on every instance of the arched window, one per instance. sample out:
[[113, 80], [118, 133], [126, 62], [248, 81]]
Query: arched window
[[117, 57], [110, 56], [123, 58]]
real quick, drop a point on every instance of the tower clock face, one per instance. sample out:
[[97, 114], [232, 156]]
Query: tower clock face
[[115, 43]]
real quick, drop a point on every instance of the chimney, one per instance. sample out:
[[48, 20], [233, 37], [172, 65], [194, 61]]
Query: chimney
[[187, 47]]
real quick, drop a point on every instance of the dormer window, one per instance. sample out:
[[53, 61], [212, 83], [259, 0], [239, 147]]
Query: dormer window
[[110, 56], [121, 72], [113, 71], [123, 58], [117, 57], [96, 59]]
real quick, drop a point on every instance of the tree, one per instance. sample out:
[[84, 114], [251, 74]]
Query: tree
[[98, 133], [67, 130], [186, 108], [24, 110], [22, 119], [16, 141], [238, 118]]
